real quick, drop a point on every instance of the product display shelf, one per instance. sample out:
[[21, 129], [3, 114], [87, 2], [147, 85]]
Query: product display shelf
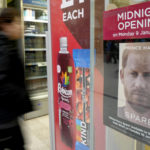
[[37, 63], [35, 27], [35, 49], [35, 35], [37, 21], [38, 77]]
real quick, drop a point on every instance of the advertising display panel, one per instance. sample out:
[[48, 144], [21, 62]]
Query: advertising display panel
[[127, 70], [70, 39]]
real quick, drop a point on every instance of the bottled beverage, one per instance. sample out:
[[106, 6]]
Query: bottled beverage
[[66, 76]]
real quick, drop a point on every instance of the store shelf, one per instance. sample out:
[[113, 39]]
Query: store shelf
[[39, 96], [39, 64], [36, 77], [35, 49], [35, 27], [35, 35], [29, 6], [36, 21]]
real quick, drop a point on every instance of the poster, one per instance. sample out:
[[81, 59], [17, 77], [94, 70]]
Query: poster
[[71, 72], [127, 70]]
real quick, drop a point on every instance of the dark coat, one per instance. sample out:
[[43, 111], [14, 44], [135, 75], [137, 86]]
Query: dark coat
[[14, 100]]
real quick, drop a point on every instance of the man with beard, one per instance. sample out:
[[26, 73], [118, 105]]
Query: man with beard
[[135, 77]]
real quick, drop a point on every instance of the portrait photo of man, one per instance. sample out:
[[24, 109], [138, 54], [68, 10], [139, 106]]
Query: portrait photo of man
[[134, 83]]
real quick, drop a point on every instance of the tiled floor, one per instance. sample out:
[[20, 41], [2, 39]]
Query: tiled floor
[[36, 132]]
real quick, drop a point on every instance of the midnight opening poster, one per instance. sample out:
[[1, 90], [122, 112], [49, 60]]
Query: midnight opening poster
[[127, 70]]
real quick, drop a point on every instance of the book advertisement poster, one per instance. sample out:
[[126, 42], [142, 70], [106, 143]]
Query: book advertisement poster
[[127, 70]]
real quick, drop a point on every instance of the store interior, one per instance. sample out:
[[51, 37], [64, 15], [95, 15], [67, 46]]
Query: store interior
[[35, 125]]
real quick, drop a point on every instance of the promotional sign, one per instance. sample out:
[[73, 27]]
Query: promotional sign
[[127, 70], [70, 35], [41, 3]]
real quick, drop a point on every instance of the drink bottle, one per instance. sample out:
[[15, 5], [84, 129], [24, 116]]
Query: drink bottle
[[66, 75]]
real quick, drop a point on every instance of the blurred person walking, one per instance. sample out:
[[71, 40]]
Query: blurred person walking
[[14, 100]]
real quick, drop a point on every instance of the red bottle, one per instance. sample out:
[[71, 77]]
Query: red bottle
[[66, 77]]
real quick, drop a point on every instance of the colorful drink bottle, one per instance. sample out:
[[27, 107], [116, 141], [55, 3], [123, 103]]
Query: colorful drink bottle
[[66, 77]]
